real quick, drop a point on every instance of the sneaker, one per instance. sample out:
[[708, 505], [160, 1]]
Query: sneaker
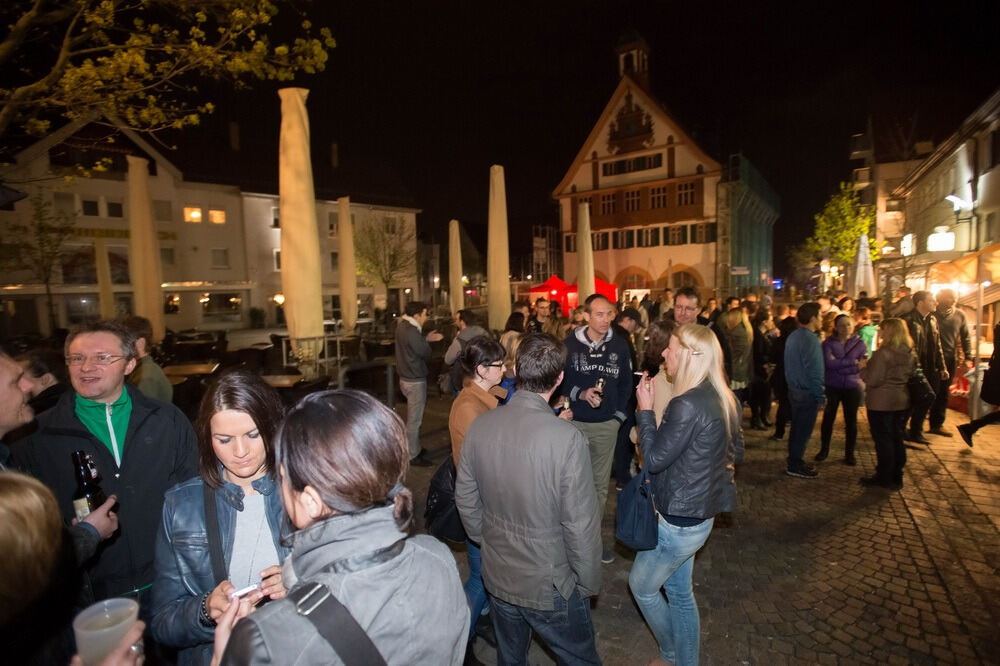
[[607, 556], [940, 432], [966, 431], [803, 471]]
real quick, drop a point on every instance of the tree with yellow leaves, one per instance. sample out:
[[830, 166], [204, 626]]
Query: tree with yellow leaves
[[138, 61]]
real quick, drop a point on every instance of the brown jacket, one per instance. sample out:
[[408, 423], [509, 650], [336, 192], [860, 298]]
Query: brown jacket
[[469, 404], [885, 379]]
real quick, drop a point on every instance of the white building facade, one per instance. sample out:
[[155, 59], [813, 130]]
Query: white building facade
[[219, 245]]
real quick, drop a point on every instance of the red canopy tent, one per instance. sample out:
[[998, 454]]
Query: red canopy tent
[[553, 289], [566, 295], [606, 289]]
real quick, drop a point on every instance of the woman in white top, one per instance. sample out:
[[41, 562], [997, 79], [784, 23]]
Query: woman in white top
[[238, 419]]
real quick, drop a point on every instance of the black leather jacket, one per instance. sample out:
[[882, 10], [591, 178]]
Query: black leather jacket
[[690, 457], [926, 341]]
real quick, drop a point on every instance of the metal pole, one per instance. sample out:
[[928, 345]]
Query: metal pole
[[976, 383]]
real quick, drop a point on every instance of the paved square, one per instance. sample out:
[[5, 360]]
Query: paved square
[[824, 571]]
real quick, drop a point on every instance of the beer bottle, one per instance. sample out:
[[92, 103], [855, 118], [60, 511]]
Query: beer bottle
[[599, 388], [88, 495]]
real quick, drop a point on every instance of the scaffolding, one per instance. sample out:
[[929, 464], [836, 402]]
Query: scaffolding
[[747, 208]]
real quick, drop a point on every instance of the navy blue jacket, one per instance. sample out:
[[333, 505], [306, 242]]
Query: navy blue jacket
[[585, 362], [184, 566]]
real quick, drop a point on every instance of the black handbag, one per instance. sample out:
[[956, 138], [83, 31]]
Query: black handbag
[[921, 394], [441, 515], [635, 517]]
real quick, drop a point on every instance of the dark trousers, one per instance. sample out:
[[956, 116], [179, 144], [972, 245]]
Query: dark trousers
[[760, 400], [987, 419], [803, 408], [940, 406], [888, 429], [567, 630], [624, 449], [784, 413], [919, 412], [851, 399]]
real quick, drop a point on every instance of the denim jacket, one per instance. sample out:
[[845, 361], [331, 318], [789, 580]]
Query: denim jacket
[[184, 566]]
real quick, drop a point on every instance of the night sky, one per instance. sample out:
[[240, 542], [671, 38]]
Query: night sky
[[439, 91]]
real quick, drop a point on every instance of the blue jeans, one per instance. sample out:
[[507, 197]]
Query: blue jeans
[[673, 620], [416, 398], [804, 410], [566, 629], [475, 593]]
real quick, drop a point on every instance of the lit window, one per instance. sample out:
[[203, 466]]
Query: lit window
[[685, 194], [115, 209], [89, 207], [220, 257], [192, 214], [171, 303], [216, 216]]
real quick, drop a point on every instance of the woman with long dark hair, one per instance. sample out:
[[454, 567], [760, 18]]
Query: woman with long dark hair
[[691, 460], [342, 457], [236, 427], [482, 369]]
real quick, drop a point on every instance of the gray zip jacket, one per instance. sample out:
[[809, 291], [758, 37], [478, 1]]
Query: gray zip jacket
[[525, 491], [412, 607]]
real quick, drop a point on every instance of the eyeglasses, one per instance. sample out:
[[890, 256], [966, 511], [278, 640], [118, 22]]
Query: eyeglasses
[[76, 360]]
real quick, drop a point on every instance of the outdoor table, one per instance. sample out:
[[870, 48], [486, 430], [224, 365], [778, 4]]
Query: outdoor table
[[187, 369], [282, 381]]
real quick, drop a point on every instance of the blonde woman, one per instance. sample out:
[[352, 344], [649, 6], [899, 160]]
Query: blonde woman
[[691, 459], [887, 401]]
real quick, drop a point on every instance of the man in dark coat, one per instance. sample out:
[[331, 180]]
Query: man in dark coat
[[141, 446], [923, 328]]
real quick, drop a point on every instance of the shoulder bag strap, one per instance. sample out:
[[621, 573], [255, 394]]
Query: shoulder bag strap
[[315, 602], [336, 625], [214, 536]]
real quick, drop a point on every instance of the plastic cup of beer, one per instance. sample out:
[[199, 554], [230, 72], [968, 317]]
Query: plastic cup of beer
[[99, 627]]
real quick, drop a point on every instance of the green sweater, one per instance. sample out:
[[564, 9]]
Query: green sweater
[[107, 422]]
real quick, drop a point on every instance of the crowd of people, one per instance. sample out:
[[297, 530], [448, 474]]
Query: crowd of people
[[260, 534]]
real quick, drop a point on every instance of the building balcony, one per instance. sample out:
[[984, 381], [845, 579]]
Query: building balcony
[[861, 147], [862, 178]]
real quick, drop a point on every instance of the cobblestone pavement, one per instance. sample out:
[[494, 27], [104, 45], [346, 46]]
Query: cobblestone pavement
[[823, 571]]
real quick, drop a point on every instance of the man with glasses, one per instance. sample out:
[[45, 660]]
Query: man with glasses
[[141, 447], [687, 305], [540, 321]]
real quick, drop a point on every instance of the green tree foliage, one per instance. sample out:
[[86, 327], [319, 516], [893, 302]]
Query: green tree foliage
[[838, 229], [384, 249], [138, 60], [36, 245]]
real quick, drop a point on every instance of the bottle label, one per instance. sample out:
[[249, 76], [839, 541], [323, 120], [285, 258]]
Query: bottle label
[[81, 507]]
